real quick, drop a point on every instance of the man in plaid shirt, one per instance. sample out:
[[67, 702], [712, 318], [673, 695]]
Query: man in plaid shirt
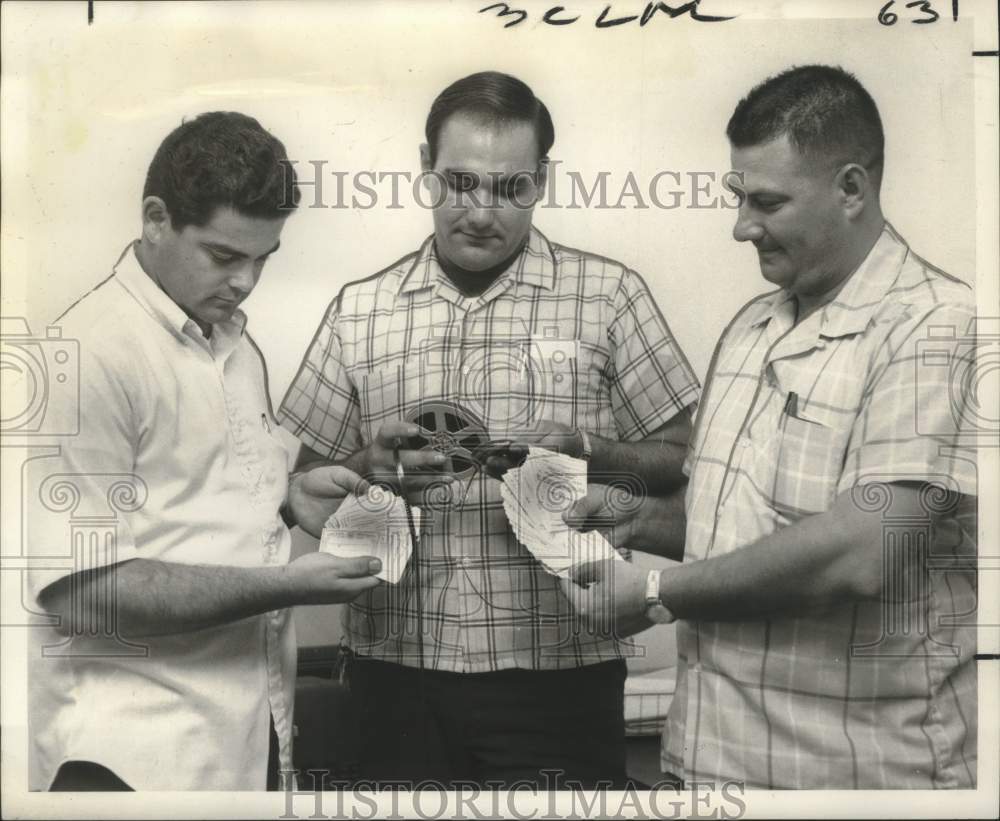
[[828, 593], [475, 667]]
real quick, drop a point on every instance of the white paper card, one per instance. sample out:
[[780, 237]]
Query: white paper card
[[535, 496], [372, 525]]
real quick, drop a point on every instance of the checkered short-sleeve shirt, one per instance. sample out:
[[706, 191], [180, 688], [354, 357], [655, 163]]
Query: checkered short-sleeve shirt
[[563, 335], [861, 392]]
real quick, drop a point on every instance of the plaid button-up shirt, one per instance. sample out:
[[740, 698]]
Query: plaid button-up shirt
[[562, 335], [862, 391]]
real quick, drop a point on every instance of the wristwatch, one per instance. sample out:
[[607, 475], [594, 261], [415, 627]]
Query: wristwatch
[[587, 450], [656, 612]]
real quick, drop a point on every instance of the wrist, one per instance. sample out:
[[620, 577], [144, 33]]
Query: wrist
[[288, 584], [656, 610]]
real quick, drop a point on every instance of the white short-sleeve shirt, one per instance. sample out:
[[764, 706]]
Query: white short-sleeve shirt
[[177, 459]]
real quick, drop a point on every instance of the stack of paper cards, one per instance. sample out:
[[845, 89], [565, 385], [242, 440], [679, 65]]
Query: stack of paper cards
[[535, 496], [372, 525]]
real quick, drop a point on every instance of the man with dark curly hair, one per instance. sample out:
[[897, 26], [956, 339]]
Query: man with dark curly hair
[[170, 663]]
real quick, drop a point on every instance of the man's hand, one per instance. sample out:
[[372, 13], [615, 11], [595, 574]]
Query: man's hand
[[319, 578], [607, 508], [422, 468], [552, 436], [314, 495], [610, 596]]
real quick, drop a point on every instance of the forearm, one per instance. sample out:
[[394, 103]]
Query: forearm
[[659, 526], [824, 560], [152, 598], [309, 459], [654, 465]]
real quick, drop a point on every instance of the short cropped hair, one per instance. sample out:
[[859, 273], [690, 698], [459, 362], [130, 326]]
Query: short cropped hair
[[823, 110], [494, 98], [221, 159]]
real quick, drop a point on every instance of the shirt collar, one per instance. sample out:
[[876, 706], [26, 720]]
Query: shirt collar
[[769, 306], [168, 313], [852, 309], [535, 265]]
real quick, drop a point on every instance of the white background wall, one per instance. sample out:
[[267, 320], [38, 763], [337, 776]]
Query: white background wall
[[350, 84]]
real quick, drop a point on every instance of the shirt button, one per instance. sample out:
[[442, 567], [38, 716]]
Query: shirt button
[[744, 442], [466, 561]]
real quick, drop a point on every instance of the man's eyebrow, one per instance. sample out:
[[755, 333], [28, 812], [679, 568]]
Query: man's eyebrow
[[739, 186], [222, 248], [493, 177]]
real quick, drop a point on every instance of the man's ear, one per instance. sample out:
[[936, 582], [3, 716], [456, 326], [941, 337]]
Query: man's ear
[[155, 219], [855, 187], [543, 175], [425, 157]]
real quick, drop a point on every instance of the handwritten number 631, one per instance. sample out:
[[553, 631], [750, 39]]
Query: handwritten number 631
[[889, 18]]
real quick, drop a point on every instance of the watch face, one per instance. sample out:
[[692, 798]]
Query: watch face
[[658, 614]]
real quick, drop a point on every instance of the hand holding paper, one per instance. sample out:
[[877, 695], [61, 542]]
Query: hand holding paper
[[536, 495], [373, 524]]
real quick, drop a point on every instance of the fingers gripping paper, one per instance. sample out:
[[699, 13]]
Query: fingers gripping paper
[[535, 496], [372, 525]]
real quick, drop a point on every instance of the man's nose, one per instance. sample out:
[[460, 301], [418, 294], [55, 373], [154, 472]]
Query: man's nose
[[243, 278], [479, 215], [746, 228]]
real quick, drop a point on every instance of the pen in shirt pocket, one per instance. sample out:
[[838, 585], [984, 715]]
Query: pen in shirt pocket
[[264, 423], [792, 405], [792, 411]]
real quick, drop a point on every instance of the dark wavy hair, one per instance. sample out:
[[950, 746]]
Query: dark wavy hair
[[495, 99], [221, 159], [824, 110]]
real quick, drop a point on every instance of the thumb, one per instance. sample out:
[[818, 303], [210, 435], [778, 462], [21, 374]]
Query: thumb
[[347, 481], [589, 511], [587, 572], [358, 567]]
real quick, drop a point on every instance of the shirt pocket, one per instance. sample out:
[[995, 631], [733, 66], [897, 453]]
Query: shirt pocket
[[570, 384], [269, 471], [505, 385], [808, 460], [397, 391]]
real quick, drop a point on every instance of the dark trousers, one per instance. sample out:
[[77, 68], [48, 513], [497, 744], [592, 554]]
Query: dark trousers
[[492, 729], [86, 776]]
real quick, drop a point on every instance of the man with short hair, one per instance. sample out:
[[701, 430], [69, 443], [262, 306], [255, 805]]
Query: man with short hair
[[494, 329], [171, 665], [818, 648]]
